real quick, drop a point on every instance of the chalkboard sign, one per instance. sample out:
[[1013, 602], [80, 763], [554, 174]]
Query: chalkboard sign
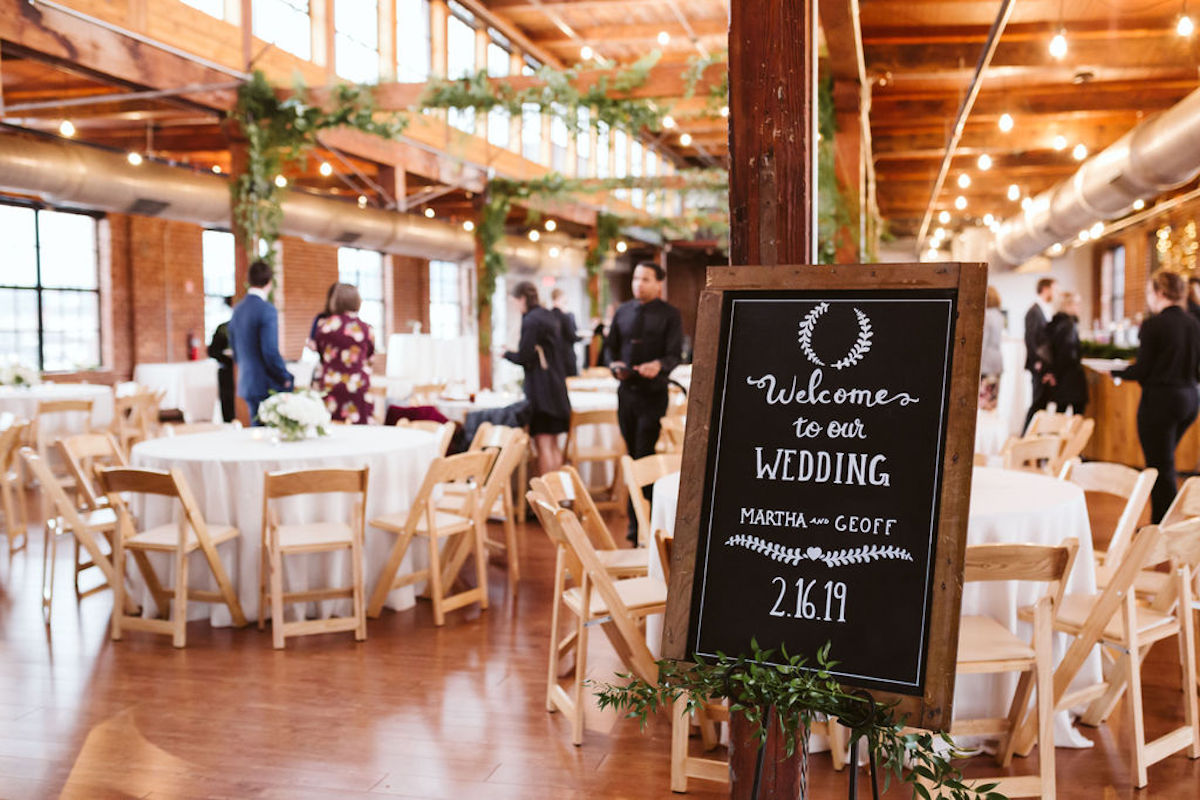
[[830, 433]]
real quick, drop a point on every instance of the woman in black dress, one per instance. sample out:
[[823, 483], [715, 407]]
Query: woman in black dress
[[540, 353], [1068, 383], [1167, 367]]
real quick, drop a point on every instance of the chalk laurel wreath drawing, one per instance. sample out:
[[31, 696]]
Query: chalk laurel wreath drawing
[[861, 346], [831, 558]]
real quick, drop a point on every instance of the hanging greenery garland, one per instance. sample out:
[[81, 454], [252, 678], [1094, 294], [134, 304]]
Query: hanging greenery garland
[[278, 131], [608, 228]]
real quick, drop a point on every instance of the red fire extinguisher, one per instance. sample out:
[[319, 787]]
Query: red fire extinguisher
[[193, 347]]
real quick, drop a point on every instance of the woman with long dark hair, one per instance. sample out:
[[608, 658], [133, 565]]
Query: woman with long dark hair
[[540, 353], [1167, 367]]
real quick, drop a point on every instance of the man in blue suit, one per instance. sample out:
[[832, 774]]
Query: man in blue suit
[[254, 333]]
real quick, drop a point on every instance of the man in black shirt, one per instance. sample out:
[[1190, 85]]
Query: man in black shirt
[[570, 334], [645, 342]]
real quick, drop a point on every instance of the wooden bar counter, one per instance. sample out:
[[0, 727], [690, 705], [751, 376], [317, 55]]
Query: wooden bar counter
[[1115, 439]]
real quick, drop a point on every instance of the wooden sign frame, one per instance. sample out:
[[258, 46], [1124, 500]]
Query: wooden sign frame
[[932, 709]]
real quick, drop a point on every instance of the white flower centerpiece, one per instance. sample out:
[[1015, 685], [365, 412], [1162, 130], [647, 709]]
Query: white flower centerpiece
[[295, 415], [19, 375]]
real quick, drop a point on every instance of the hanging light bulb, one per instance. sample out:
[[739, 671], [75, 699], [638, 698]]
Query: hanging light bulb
[[1056, 249], [1079, 152], [551, 225], [1014, 192], [1185, 27], [216, 168], [66, 128], [664, 38], [325, 169], [1058, 45], [1139, 204], [964, 181], [555, 252], [685, 139], [1005, 122], [1026, 203], [134, 158], [362, 201], [668, 122], [534, 236], [960, 202], [1097, 230], [988, 220], [1060, 143], [985, 162], [280, 181], [724, 111], [586, 53], [940, 233], [622, 247], [944, 217], [429, 213], [468, 226], [1084, 235]]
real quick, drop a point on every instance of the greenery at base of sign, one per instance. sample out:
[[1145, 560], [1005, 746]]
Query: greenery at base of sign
[[283, 130], [1089, 349], [797, 694]]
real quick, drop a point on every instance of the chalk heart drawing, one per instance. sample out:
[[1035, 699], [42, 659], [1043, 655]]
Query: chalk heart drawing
[[860, 348]]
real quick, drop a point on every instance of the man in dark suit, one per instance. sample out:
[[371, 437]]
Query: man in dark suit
[[570, 333], [254, 334], [220, 351], [1036, 319]]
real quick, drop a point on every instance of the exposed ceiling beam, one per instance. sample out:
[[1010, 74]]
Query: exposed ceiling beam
[[640, 33], [1162, 53]]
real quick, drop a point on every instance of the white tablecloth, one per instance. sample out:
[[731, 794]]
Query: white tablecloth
[[1016, 389], [225, 471], [23, 402], [421, 358], [190, 386], [991, 432], [1006, 506]]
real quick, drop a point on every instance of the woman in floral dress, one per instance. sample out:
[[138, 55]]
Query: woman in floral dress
[[345, 344]]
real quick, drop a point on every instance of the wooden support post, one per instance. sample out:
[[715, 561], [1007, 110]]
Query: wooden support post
[[484, 332], [772, 93]]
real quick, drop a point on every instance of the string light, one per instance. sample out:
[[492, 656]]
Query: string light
[[984, 162], [280, 181], [944, 217], [429, 213], [685, 139], [724, 111], [1139, 204], [555, 252], [1058, 45], [1014, 192], [1056, 249], [940, 233], [1060, 143], [1097, 230], [622, 247], [586, 53], [325, 169], [988, 220], [1026, 203], [66, 128], [960, 202], [1185, 27], [362, 201], [134, 158], [668, 122], [534, 236], [664, 38], [964, 181], [551, 225], [216, 168], [1005, 122], [1080, 152], [1084, 235]]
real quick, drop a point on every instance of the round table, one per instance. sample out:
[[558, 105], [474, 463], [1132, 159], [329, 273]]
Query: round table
[[225, 472], [190, 386], [23, 402], [1006, 506]]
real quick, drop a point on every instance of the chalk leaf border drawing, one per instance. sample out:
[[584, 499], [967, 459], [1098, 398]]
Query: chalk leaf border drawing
[[831, 558], [860, 348]]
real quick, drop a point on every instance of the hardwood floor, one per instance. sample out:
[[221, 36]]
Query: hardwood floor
[[415, 711]]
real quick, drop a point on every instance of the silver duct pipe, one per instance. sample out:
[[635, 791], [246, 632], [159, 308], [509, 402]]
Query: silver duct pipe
[[1159, 154], [85, 177]]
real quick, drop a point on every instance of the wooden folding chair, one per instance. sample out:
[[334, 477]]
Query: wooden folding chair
[[179, 539], [987, 647], [1039, 454], [443, 430], [135, 417], [1051, 422], [12, 493], [86, 526], [640, 474], [1074, 443], [426, 394], [84, 453], [664, 544], [596, 372], [670, 434], [607, 497], [1117, 480], [565, 488], [1115, 618], [618, 607], [280, 540], [45, 432], [460, 530], [377, 394]]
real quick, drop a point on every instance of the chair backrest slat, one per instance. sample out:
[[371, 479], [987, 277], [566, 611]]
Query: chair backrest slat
[[52, 488], [565, 486], [84, 453], [1019, 562], [314, 481]]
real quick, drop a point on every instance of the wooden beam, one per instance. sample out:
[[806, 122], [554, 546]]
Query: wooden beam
[[1092, 30], [637, 33], [1162, 52], [512, 33]]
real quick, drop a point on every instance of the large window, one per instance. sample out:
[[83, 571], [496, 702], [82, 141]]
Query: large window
[[499, 60], [356, 40], [620, 160], [363, 269], [560, 137], [445, 299], [1112, 284], [460, 63], [219, 281], [603, 150], [583, 145], [413, 49], [284, 23], [49, 294], [635, 164]]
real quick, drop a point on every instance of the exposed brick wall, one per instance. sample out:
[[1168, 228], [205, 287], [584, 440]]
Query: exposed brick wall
[[410, 299], [308, 269]]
